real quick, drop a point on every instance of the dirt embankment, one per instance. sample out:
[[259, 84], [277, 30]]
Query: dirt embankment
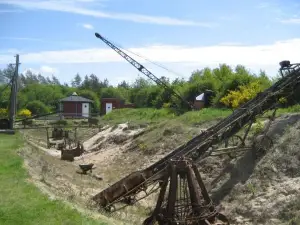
[[248, 189], [260, 189], [115, 152]]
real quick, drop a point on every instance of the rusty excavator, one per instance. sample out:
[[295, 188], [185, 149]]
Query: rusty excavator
[[187, 201]]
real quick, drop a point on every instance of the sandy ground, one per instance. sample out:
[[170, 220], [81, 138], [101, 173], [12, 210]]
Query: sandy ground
[[245, 192]]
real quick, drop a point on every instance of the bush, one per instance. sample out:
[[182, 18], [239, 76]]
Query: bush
[[24, 113], [37, 107], [244, 93], [3, 113]]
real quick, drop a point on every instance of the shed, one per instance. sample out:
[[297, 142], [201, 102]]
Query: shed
[[108, 104], [203, 100], [75, 106]]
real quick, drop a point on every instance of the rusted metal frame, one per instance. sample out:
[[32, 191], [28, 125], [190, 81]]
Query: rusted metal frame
[[236, 151], [234, 127], [194, 194], [201, 184], [271, 119], [134, 190], [112, 204], [152, 219], [247, 131], [172, 191], [75, 134], [48, 142]]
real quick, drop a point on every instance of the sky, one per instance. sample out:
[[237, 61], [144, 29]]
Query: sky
[[58, 36]]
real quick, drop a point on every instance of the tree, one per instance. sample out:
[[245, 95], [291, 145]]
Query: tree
[[141, 83], [124, 84], [89, 94], [37, 107], [55, 80], [7, 73], [76, 82]]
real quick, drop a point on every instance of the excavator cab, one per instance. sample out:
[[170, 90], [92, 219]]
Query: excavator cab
[[284, 64], [286, 67]]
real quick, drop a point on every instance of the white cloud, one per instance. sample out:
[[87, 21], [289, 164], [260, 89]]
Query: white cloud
[[44, 70], [256, 54], [291, 21], [48, 69], [254, 57], [87, 26], [82, 8]]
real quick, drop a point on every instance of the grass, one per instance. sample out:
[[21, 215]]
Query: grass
[[140, 115], [150, 115], [204, 115], [21, 202]]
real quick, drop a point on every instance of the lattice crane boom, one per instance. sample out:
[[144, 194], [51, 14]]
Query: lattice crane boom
[[142, 69]]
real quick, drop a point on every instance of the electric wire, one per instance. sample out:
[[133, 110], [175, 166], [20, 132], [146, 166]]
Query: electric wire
[[7, 85]]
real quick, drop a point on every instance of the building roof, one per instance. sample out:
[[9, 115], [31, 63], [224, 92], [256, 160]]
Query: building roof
[[75, 98], [200, 97]]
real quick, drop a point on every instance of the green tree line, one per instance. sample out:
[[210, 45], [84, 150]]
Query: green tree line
[[41, 94]]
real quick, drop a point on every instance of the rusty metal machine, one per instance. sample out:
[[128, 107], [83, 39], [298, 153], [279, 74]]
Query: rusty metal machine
[[62, 138], [203, 144], [187, 201]]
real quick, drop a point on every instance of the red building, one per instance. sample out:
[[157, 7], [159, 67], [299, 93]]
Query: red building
[[108, 104], [75, 106]]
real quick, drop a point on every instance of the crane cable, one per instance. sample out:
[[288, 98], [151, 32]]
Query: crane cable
[[146, 59], [143, 57]]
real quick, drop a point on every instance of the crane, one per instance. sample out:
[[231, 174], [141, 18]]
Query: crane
[[144, 70]]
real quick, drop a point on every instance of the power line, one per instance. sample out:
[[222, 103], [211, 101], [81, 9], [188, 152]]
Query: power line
[[6, 86]]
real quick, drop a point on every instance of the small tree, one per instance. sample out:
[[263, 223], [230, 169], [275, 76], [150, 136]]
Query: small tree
[[24, 113]]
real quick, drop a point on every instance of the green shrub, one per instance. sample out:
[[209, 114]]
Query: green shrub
[[37, 107], [3, 113]]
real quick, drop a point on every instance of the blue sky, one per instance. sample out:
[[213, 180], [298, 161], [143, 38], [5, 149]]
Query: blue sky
[[57, 37]]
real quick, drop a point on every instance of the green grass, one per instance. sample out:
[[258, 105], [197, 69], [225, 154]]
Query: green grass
[[140, 115], [20, 201], [206, 114], [150, 115]]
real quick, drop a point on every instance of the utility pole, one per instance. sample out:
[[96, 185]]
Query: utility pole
[[13, 95]]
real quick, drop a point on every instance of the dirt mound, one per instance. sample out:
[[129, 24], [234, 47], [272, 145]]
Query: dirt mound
[[265, 190], [110, 135]]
